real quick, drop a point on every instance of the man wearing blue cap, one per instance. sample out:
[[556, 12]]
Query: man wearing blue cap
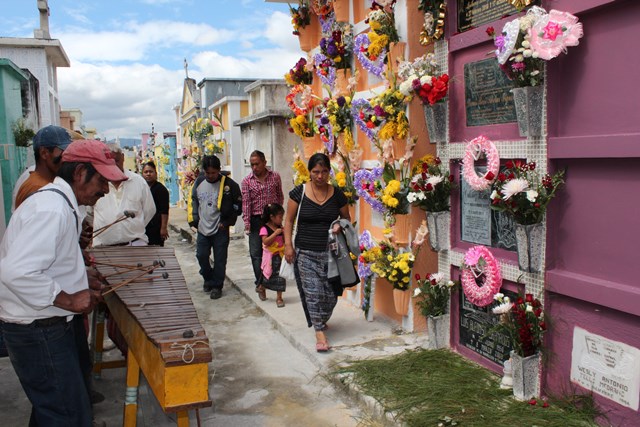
[[48, 145]]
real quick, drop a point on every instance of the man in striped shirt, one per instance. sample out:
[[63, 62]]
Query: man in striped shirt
[[260, 188]]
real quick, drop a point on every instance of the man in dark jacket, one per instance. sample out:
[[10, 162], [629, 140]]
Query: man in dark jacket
[[216, 203]]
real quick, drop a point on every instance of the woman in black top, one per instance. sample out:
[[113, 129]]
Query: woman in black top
[[321, 205]]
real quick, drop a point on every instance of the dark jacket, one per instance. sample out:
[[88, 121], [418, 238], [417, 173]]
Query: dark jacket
[[230, 206]]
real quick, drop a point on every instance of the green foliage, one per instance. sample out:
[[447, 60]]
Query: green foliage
[[22, 134]]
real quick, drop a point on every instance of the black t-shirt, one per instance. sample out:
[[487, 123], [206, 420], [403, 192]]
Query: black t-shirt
[[314, 219], [161, 198]]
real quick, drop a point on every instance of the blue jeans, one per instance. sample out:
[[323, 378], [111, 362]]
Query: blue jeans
[[45, 359], [219, 242], [255, 247]]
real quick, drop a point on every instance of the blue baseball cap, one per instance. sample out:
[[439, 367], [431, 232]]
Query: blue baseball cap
[[52, 136]]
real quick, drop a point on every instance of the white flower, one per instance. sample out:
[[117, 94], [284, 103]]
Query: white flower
[[406, 87], [529, 308], [425, 79], [434, 180], [514, 187], [498, 296], [436, 276], [535, 54], [503, 308], [416, 292], [450, 284], [534, 73], [519, 58], [526, 44], [527, 53], [507, 299], [494, 195], [532, 195]]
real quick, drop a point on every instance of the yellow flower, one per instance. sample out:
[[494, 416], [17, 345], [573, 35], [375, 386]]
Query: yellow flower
[[375, 25], [389, 258], [388, 131], [348, 140], [342, 183], [406, 279], [221, 144], [337, 59], [300, 119]]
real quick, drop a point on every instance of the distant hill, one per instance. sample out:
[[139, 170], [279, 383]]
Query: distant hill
[[128, 142]]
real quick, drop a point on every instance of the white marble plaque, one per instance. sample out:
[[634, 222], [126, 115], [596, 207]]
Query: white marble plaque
[[608, 368]]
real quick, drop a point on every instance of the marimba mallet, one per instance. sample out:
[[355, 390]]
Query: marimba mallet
[[129, 268], [132, 279], [164, 275], [127, 214]]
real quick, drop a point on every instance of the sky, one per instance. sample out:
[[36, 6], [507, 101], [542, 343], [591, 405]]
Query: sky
[[127, 57]]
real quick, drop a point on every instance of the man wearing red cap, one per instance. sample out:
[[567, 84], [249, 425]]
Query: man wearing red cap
[[43, 283]]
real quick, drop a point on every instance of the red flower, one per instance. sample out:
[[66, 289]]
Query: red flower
[[537, 312], [528, 297], [417, 276], [489, 176], [451, 178], [491, 31], [532, 166], [545, 404], [429, 187], [502, 177], [533, 402], [370, 125], [520, 301], [509, 164], [543, 326], [438, 161]]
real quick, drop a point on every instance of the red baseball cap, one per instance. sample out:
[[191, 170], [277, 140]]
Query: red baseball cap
[[96, 153]]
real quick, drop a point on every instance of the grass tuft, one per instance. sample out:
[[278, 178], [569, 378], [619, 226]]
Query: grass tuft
[[440, 388]]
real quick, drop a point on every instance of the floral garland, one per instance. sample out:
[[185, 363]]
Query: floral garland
[[480, 261], [472, 153], [325, 130], [361, 47], [364, 181], [361, 111], [326, 22], [325, 70], [305, 98], [364, 270]]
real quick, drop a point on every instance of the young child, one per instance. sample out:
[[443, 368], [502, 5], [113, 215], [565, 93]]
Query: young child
[[272, 252]]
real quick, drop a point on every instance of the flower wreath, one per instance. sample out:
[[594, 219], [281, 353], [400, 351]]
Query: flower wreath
[[374, 66], [472, 153], [483, 295], [322, 7], [364, 182], [325, 69], [305, 99], [361, 109]]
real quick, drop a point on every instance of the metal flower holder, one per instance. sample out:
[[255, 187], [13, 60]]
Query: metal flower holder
[[529, 242], [438, 225], [436, 118], [438, 330], [525, 372], [529, 102]]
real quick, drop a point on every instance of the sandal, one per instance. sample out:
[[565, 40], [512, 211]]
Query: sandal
[[322, 347], [262, 293], [280, 303]]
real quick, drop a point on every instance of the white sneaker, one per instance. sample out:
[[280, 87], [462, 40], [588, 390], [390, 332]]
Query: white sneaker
[[107, 344]]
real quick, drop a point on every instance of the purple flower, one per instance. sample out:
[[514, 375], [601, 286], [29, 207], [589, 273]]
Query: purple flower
[[361, 43], [499, 42], [341, 101], [378, 111], [324, 120], [332, 51]]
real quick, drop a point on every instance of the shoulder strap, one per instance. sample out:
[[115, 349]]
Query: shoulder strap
[[220, 191], [64, 196]]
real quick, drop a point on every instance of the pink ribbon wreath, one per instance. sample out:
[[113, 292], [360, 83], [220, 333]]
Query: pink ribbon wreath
[[483, 295], [475, 148]]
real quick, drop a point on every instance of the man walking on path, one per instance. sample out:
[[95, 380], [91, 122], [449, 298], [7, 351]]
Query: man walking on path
[[260, 188], [216, 203], [133, 196], [156, 230], [44, 283]]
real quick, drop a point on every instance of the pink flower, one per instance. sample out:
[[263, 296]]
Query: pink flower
[[553, 33]]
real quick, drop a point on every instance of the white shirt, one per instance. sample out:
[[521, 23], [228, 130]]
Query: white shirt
[[131, 195], [40, 256]]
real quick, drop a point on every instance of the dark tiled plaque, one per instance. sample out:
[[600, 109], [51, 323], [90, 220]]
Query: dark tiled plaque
[[487, 94]]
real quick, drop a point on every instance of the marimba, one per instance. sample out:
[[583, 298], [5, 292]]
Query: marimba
[[159, 323]]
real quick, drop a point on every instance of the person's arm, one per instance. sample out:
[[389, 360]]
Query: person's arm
[[24, 266], [193, 215], [268, 240], [148, 205], [246, 205], [163, 208], [79, 302], [292, 210], [279, 195]]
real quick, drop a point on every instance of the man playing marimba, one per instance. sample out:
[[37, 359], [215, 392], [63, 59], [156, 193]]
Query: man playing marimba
[[43, 283]]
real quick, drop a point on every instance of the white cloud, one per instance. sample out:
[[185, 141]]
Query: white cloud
[[122, 100], [137, 44]]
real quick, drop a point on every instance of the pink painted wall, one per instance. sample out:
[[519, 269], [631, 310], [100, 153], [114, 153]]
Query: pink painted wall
[[593, 232], [593, 226]]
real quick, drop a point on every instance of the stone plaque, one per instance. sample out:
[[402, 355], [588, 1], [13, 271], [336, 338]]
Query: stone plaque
[[487, 94], [475, 324], [475, 215], [473, 13], [606, 367]]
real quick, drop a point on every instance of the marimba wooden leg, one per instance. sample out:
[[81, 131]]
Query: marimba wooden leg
[[131, 395], [182, 419], [97, 339]]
